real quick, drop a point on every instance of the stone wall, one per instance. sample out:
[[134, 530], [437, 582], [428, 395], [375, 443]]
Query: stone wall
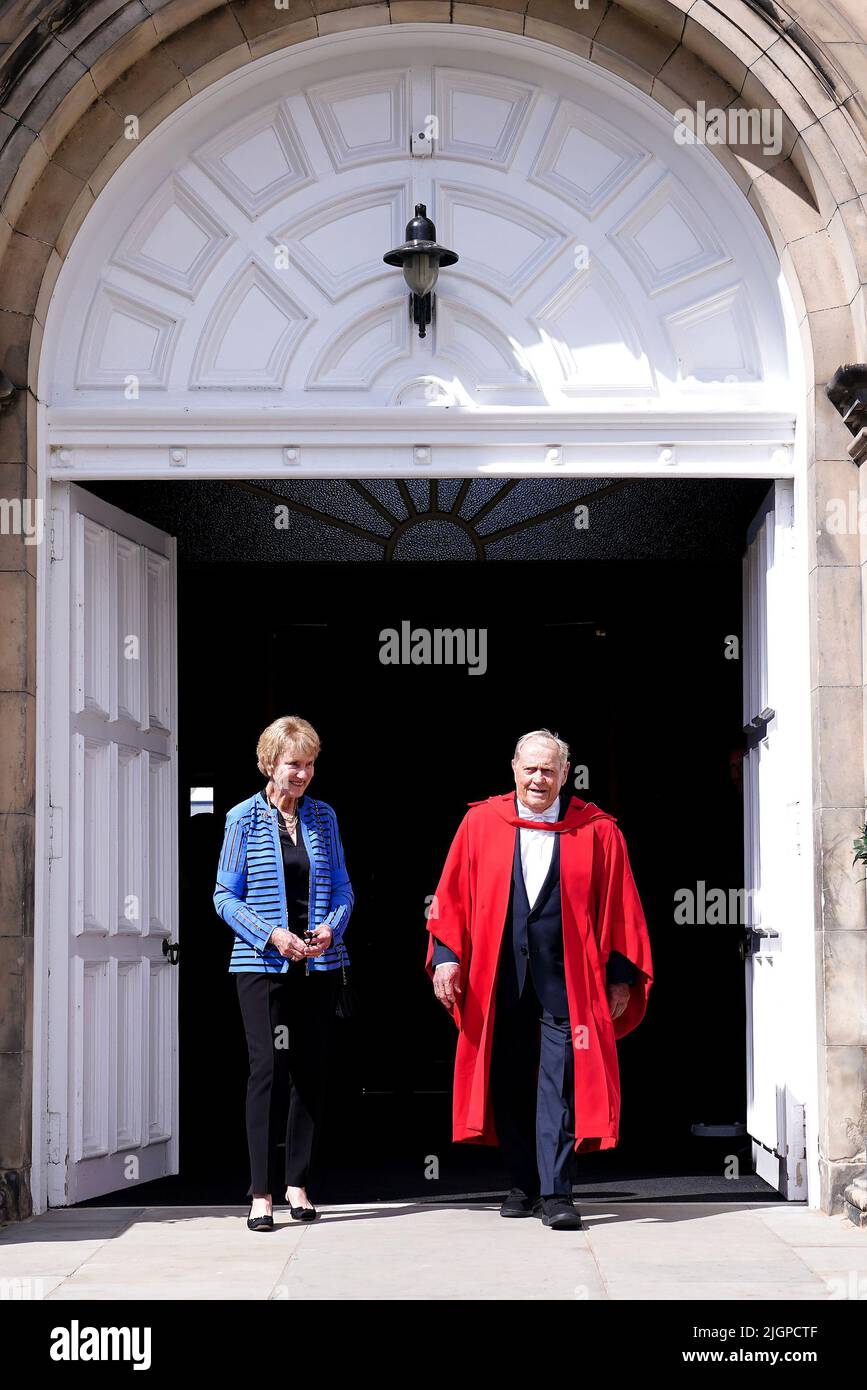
[[69, 76]]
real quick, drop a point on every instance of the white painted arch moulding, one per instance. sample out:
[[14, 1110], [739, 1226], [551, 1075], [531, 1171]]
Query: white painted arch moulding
[[371, 443], [673, 329]]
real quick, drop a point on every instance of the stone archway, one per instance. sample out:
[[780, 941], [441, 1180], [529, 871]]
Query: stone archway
[[242, 248], [70, 85]]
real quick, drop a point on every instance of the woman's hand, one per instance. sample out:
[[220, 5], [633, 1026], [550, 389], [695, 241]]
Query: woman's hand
[[322, 938], [288, 944], [618, 998]]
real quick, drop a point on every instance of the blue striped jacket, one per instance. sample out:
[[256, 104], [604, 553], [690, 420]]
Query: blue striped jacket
[[250, 894]]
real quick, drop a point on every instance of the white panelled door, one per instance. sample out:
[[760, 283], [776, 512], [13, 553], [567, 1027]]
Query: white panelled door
[[112, 997], [775, 1118]]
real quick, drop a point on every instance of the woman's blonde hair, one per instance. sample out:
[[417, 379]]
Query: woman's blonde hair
[[291, 729]]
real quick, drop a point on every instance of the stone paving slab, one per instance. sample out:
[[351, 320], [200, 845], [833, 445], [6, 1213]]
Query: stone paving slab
[[439, 1251]]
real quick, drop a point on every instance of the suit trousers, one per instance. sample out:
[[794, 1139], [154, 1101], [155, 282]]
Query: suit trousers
[[287, 1020], [533, 1095]]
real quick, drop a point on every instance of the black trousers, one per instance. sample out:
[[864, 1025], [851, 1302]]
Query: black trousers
[[287, 1020], [533, 1095]]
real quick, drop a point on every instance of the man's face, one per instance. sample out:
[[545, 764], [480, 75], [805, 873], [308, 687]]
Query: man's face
[[538, 774]]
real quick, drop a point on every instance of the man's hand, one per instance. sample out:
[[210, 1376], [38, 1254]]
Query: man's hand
[[445, 983], [321, 941], [618, 998]]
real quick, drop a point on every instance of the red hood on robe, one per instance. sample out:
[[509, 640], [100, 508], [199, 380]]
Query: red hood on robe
[[578, 813]]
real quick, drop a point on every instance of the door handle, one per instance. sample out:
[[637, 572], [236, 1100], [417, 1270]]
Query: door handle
[[171, 949], [757, 729], [756, 939]]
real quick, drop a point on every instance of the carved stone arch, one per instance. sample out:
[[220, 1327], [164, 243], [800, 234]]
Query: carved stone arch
[[72, 83], [241, 247]]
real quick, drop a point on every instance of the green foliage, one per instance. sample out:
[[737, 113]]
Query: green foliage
[[860, 848]]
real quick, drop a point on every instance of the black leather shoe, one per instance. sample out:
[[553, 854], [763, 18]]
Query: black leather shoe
[[259, 1223], [560, 1214], [517, 1203]]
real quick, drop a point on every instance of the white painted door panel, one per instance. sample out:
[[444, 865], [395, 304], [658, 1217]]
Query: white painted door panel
[[112, 1008], [774, 1118]]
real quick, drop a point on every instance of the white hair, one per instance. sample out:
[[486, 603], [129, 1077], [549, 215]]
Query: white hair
[[562, 748]]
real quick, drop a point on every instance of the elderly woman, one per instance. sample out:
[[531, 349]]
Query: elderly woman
[[283, 888]]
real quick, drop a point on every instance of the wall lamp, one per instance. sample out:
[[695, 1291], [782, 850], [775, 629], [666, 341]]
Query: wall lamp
[[847, 392], [420, 258]]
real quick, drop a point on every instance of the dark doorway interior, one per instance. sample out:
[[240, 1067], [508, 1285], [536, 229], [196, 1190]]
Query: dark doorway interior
[[626, 660]]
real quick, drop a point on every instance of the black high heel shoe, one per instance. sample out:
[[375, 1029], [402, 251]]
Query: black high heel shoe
[[259, 1223], [302, 1213]]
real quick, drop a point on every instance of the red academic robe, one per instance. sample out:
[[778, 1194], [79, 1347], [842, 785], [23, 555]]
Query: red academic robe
[[601, 913]]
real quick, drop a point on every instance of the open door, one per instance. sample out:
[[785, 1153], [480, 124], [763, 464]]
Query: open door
[[775, 1112], [113, 877]]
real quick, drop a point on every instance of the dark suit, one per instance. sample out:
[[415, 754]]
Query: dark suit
[[535, 1118]]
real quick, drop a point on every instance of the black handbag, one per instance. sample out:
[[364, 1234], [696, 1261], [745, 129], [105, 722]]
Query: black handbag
[[347, 1002]]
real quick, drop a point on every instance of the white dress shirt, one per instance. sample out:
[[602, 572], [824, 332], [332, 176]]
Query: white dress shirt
[[537, 846]]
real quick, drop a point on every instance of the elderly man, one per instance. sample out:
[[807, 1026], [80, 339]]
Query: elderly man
[[539, 949]]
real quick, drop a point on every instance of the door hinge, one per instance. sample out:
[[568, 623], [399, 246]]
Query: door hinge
[[55, 534], [55, 832]]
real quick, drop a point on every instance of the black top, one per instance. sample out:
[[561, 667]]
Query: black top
[[296, 872]]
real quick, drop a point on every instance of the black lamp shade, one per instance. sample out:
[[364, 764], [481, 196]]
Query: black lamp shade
[[420, 256]]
